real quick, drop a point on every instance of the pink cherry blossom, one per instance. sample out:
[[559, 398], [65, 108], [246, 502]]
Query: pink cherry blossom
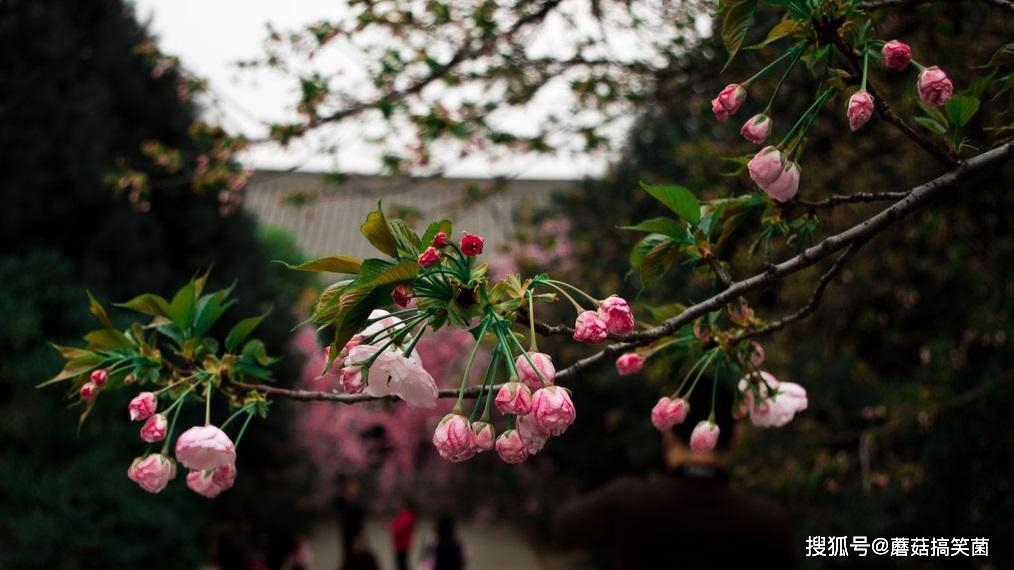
[[429, 257], [203, 483], [454, 438], [590, 328], [154, 429], [553, 410], [142, 406], [704, 437], [383, 325], [766, 166], [669, 412], [615, 312], [860, 109], [897, 55], [514, 398], [629, 363], [785, 188], [153, 472], [484, 437], [225, 476], [89, 391], [510, 448], [204, 447], [394, 374], [771, 403], [729, 101], [471, 245], [757, 129], [99, 377], [531, 376], [934, 87], [531, 434]]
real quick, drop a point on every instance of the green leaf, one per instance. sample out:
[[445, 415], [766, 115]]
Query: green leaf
[[105, 339], [148, 304], [378, 233], [657, 261], [738, 14], [667, 226], [678, 199], [641, 249], [75, 367], [332, 264], [352, 320], [96, 309], [210, 308], [242, 330], [433, 230], [1003, 56], [931, 124], [782, 29], [181, 308], [406, 239], [960, 109], [404, 271]]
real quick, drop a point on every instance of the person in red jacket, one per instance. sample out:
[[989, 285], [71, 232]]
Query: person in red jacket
[[402, 526]]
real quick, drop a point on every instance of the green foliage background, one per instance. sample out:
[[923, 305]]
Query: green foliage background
[[73, 98]]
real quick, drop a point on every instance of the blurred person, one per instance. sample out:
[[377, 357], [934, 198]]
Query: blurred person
[[359, 556], [445, 552], [402, 526], [351, 514], [688, 517]]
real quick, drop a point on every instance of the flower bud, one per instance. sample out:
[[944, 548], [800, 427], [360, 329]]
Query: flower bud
[[860, 109], [514, 398], [350, 379], [704, 437], [590, 328], [510, 448], [454, 438], [553, 410], [204, 447], [897, 55], [531, 434], [766, 166], [100, 377], [153, 472], [629, 363], [142, 406], [429, 257], [440, 239], [669, 412], [203, 483], [402, 294], [154, 429], [225, 476], [934, 87], [89, 391], [531, 376], [471, 245], [787, 185], [615, 312], [484, 436], [729, 101], [757, 129]]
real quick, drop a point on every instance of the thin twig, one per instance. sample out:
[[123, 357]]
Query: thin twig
[[812, 304], [858, 197]]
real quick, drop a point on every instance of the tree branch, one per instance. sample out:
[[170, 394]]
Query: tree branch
[[858, 197], [871, 5], [914, 200], [814, 301], [849, 240]]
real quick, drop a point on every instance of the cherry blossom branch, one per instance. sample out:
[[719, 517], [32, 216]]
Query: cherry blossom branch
[[849, 240], [915, 199], [883, 109]]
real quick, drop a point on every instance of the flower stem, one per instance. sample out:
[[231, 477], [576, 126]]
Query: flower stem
[[533, 345], [172, 424], [703, 362], [577, 307], [527, 357], [468, 366], [798, 47], [792, 65], [242, 430], [595, 302], [866, 66], [207, 403]]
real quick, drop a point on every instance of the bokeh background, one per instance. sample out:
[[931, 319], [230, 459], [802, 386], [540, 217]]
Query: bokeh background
[[908, 362]]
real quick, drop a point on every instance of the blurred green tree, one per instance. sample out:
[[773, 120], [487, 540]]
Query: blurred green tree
[[76, 96]]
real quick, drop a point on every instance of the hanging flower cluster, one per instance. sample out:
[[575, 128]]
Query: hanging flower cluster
[[174, 362]]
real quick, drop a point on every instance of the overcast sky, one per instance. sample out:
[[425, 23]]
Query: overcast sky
[[209, 36]]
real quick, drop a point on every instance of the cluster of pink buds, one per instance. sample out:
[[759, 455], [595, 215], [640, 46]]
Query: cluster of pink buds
[[612, 317], [933, 86], [470, 246], [206, 450], [90, 390], [774, 173]]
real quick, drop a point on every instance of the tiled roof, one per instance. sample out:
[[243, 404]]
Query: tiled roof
[[328, 223]]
